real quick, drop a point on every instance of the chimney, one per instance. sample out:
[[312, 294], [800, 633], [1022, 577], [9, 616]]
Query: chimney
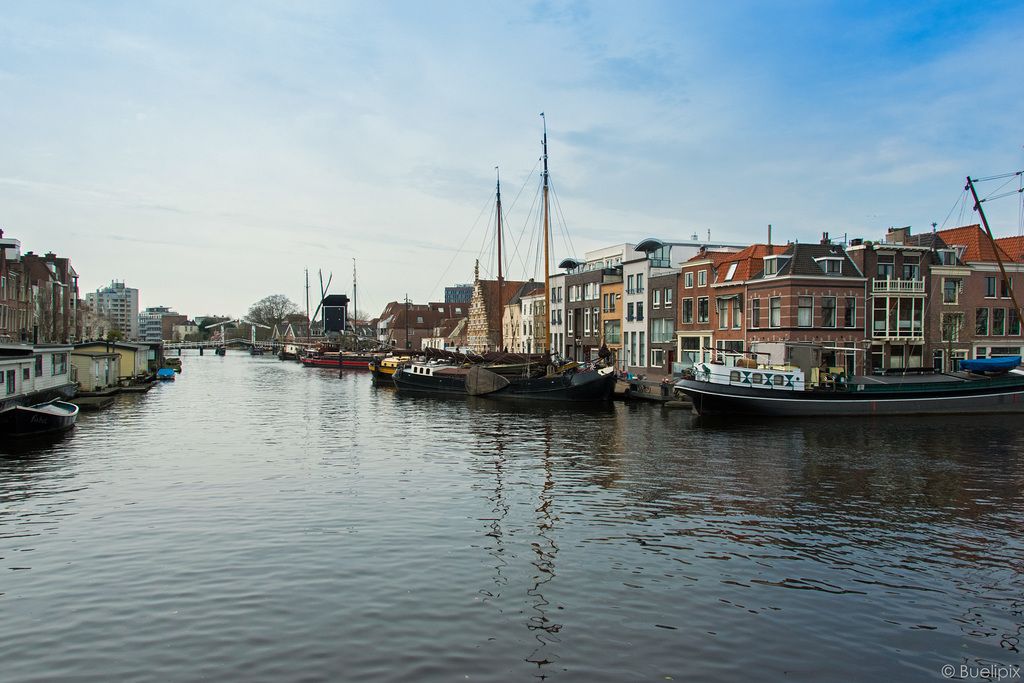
[[825, 239]]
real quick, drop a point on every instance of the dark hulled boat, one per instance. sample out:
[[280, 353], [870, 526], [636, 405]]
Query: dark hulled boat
[[573, 384], [37, 420], [722, 390], [431, 378]]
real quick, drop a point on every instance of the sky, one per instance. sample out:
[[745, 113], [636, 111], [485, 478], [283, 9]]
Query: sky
[[211, 154]]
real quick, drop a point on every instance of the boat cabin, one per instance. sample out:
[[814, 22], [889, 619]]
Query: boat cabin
[[35, 373]]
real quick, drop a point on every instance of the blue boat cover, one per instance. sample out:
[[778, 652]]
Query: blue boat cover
[[990, 364], [165, 373]]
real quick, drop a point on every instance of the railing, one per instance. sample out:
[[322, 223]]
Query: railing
[[897, 286]]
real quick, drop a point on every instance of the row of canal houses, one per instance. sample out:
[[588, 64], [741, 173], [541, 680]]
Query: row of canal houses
[[904, 302]]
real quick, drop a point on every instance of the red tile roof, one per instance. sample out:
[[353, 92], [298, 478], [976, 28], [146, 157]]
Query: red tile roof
[[977, 245]]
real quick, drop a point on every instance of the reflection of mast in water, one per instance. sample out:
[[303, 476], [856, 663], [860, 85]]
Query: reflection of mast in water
[[544, 548], [500, 509]]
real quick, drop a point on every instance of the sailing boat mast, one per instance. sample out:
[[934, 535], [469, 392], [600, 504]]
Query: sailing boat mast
[[354, 308], [995, 247], [547, 259], [501, 280]]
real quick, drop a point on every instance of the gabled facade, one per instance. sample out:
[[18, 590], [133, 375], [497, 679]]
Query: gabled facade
[[814, 293], [486, 311]]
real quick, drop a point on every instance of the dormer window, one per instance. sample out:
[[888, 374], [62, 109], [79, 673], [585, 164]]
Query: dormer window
[[773, 264], [731, 272], [948, 257], [831, 265]]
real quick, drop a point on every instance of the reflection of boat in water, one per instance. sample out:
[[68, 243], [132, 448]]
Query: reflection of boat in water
[[43, 418], [740, 389]]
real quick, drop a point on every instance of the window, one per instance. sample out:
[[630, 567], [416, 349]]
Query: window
[[661, 330], [1003, 290], [737, 313], [990, 287], [639, 310], [419, 318], [850, 314], [804, 311], [1013, 322], [586, 291], [722, 310], [998, 321], [951, 290], [773, 264], [12, 382], [981, 322], [688, 280], [639, 282], [731, 271], [39, 366], [687, 312], [952, 323], [775, 311], [660, 258], [586, 321], [702, 309], [886, 266], [702, 278], [911, 271], [629, 311], [613, 331], [656, 298], [59, 361], [831, 266], [755, 313], [629, 284], [828, 311], [657, 356], [668, 297]]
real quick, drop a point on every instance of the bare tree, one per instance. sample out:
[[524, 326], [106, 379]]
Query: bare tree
[[271, 310]]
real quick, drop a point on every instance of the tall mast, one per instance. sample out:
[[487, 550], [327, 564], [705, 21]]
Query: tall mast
[[354, 308], [501, 280], [547, 258], [995, 247]]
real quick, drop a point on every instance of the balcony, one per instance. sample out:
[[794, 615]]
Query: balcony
[[897, 286]]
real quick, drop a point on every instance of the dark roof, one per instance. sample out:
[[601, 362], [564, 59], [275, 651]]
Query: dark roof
[[802, 261]]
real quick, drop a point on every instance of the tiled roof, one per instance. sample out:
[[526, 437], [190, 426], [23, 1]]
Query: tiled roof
[[749, 262], [1012, 246], [977, 245]]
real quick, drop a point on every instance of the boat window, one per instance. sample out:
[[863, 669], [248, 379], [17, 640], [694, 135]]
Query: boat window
[[734, 376], [756, 378], [777, 380]]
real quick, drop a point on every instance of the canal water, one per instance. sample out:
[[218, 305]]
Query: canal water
[[260, 521]]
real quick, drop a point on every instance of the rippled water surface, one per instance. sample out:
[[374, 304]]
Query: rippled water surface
[[257, 520]]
